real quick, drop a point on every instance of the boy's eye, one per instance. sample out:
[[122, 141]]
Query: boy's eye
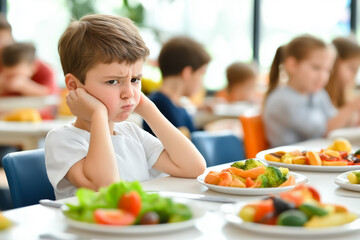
[[135, 80], [112, 82]]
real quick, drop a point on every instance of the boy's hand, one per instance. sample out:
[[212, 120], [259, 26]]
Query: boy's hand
[[84, 105], [141, 108]]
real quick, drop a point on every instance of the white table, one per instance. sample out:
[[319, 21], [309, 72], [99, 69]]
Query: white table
[[27, 134], [34, 220]]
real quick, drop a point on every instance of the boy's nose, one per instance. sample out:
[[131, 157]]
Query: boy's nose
[[126, 91]]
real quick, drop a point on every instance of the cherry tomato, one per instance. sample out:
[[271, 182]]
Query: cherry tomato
[[113, 217], [130, 202]]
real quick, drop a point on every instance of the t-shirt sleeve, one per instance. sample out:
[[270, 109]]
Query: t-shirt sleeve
[[62, 150]]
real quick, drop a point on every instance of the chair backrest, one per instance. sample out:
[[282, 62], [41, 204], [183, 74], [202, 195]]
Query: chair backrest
[[218, 148], [27, 177], [254, 133]]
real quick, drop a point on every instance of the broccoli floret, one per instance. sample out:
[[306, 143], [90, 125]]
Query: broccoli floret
[[252, 163], [239, 164], [247, 164], [274, 176], [264, 181]]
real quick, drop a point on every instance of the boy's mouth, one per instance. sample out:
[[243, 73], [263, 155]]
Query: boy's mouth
[[127, 107]]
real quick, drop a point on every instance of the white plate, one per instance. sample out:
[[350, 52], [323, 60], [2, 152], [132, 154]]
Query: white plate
[[231, 211], [196, 209], [261, 155], [343, 182], [299, 178]]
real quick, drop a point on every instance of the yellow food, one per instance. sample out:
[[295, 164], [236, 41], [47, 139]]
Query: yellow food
[[299, 160], [4, 222], [353, 179], [335, 219], [23, 115], [341, 144]]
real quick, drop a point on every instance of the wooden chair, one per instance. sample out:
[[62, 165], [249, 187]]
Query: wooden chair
[[254, 133]]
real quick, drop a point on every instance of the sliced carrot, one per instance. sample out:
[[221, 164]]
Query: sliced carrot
[[289, 182], [334, 163], [257, 183], [212, 177], [252, 173], [249, 182], [314, 158]]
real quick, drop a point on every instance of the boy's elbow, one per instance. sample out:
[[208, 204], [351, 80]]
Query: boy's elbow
[[200, 169]]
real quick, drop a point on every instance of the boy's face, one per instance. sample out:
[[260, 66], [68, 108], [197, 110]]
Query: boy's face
[[195, 81], [243, 91], [117, 86], [23, 69]]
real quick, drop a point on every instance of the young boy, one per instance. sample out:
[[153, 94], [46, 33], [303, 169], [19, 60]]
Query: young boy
[[183, 63], [102, 58], [18, 65]]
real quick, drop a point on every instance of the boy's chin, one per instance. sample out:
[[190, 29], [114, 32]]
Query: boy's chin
[[122, 117]]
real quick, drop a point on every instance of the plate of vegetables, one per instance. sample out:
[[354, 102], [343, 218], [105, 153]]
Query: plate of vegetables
[[299, 212], [124, 207], [251, 177], [349, 180], [308, 159]]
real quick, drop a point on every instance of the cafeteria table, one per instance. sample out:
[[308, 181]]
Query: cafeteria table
[[30, 222]]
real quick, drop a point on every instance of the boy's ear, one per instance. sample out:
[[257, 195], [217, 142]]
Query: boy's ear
[[72, 83], [187, 72]]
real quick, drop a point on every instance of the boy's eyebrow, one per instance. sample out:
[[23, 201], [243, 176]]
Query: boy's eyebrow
[[139, 75]]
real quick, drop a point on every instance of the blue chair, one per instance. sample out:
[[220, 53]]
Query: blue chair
[[27, 177], [218, 148]]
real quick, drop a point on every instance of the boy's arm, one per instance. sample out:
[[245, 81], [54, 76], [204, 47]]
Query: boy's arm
[[27, 87], [180, 157], [99, 167]]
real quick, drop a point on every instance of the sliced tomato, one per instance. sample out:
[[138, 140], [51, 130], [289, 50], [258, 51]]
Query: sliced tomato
[[130, 202], [263, 208], [113, 217]]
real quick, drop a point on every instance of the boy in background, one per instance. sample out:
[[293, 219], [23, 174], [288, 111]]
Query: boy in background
[[18, 65], [102, 58], [241, 83], [42, 73], [183, 63]]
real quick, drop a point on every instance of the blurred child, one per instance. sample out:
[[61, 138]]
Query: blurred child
[[18, 65], [341, 83], [102, 58], [183, 63], [241, 83], [42, 73], [301, 109]]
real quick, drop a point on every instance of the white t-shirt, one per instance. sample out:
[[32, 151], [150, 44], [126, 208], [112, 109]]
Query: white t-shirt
[[136, 152]]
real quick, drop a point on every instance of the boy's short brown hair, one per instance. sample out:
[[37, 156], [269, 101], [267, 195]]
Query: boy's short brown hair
[[97, 39], [180, 52], [239, 72], [17, 53]]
